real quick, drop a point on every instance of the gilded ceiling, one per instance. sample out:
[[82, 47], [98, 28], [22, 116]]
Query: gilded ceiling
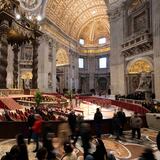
[[94, 30], [73, 16]]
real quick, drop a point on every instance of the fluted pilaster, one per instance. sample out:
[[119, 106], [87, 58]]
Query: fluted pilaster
[[15, 66], [4, 53]]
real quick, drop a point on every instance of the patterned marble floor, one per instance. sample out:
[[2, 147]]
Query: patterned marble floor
[[124, 149]]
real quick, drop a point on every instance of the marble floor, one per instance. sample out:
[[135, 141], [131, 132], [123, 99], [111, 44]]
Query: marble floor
[[123, 149]]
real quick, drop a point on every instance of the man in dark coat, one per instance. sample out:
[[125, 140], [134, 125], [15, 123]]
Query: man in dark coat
[[122, 117], [98, 119]]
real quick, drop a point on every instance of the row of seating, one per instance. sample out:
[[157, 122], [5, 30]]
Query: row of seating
[[106, 102], [95, 100]]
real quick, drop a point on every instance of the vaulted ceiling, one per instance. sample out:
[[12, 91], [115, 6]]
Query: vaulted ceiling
[[73, 16]]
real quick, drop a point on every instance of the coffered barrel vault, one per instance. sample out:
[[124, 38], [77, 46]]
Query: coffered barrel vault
[[71, 16]]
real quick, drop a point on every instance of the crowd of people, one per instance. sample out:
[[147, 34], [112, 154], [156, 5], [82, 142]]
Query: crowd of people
[[75, 128], [70, 134], [151, 104], [53, 113]]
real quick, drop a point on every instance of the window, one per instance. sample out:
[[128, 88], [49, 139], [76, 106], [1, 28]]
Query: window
[[81, 62], [81, 41], [103, 62], [102, 40]]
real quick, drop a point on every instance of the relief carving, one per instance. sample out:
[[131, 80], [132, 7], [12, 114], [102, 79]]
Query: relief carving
[[140, 22], [114, 14], [134, 5]]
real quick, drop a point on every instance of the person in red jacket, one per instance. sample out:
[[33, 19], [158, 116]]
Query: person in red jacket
[[37, 130]]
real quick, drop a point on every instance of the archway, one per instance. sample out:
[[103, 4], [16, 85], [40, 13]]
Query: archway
[[139, 65], [102, 84], [134, 71], [26, 79], [62, 68]]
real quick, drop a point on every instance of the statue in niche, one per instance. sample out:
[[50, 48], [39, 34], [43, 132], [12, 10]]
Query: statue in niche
[[144, 83], [135, 82], [49, 80], [140, 22], [28, 53], [27, 83]]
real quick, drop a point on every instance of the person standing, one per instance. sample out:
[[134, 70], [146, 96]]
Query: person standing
[[98, 120], [31, 120], [37, 130], [116, 126], [72, 120], [122, 117], [136, 124]]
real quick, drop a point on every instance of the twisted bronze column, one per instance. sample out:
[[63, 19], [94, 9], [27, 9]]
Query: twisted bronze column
[[4, 53], [15, 66], [35, 64]]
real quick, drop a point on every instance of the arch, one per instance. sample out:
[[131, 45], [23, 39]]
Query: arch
[[140, 65], [62, 58], [102, 83]]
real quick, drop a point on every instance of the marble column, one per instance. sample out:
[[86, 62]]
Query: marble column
[[117, 66], [53, 66], [73, 70], [15, 66], [10, 60], [70, 69], [35, 64], [91, 72], [4, 25], [43, 63], [76, 71], [156, 44]]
